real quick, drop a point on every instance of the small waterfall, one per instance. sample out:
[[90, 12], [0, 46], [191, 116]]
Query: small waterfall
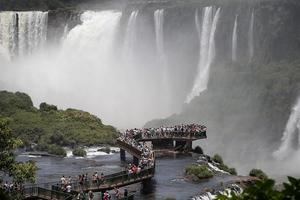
[[207, 50], [22, 32], [161, 56], [130, 37], [251, 37], [159, 33], [234, 40], [32, 31], [292, 130], [8, 23]]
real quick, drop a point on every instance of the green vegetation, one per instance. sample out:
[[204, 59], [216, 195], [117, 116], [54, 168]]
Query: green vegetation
[[105, 149], [20, 172], [198, 172], [198, 150], [258, 173], [266, 190], [79, 152], [218, 159], [51, 128]]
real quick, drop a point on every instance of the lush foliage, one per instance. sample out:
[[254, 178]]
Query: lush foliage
[[51, 128], [198, 172], [258, 173], [266, 190], [21, 172], [105, 149], [218, 159], [198, 150], [79, 152]]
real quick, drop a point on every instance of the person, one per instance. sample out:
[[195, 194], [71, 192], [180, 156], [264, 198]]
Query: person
[[125, 193], [91, 195], [106, 196], [80, 195], [69, 188], [117, 193], [69, 180], [63, 180]]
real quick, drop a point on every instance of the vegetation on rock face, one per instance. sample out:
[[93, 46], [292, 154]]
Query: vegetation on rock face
[[198, 150], [105, 149], [51, 128], [20, 172], [258, 173], [218, 159], [198, 172], [79, 152], [265, 190]]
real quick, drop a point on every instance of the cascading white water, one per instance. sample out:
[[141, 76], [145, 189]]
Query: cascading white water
[[88, 72], [130, 38], [32, 31], [234, 40], [292, 130], [159, 34], [251, 37], [162, 58], [24, 35], [7, 34], [207, 50]]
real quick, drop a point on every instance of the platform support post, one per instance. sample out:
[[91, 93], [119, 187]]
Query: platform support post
[[122, 155]]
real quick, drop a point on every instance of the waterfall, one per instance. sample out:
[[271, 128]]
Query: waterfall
[[159, 33], [130, 37], [292, 130], [22, 32], [250, 37], [207, 50], [234, 40], [162, 58], [32, 31], [8, 22]]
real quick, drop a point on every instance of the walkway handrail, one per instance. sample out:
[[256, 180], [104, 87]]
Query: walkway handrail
[[39, 192], [110, 182], [172, 135], [133, 150]]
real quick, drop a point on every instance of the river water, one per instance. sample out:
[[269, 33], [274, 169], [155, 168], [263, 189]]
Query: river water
[[168, 181]]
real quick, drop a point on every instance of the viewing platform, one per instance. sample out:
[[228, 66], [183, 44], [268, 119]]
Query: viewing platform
[[140, 143]]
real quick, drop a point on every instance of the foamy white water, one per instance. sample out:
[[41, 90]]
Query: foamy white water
[[291, 132], [32, 31], [130, 38], [251, 37], [207, 50], [234, 40], [7, 34], [22, 36]]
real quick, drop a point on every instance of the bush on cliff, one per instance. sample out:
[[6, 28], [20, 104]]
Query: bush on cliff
[[198, 172], [258, 173], [57, 150], [218, 159], [79, 152]]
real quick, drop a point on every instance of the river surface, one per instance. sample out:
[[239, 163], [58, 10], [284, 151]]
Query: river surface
[[168, 181]]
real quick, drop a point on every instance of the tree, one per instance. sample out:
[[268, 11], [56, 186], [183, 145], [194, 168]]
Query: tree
[[258, 173], [19, 171]]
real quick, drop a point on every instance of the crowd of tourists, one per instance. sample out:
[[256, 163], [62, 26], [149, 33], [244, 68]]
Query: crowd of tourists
[[116, 194], [187, 130], [11, 187], [147, 157]]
